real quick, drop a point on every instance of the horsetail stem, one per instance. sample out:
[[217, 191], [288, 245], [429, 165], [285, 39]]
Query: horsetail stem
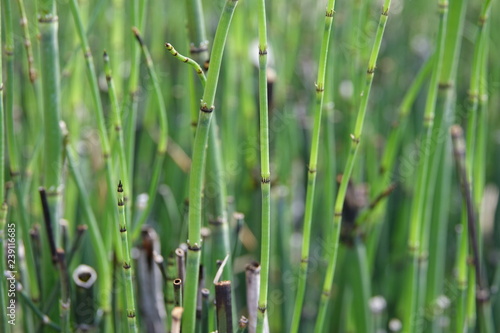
[[23, 22], [355, 140], [188, 61], [177, 283], [129, 116], [127, 268], [162, 139], [214, 172], [115, 108], [265, 171], [417, 231], [49, 52], [313, 159], [224, 306], [198, 168]]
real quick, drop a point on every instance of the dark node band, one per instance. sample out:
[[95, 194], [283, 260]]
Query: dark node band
[[262, 309], [443, 5], [123, 229], [200, 49], [48, 19], [217, 221], [370, 70], [126, 265], [265, 180], [131, 314], [14, 173], [445, 85], [206, 109], [194, 248], [329, 13]]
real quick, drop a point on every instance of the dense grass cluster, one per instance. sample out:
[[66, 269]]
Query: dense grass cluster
[[280, 166]]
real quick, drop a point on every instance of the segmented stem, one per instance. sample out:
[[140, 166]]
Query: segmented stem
[[416, 233], [313, 159], [162, 139], [127, 262], [355, 140], [188, 61], [198, 168]]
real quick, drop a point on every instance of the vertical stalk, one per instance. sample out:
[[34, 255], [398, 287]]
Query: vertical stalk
[[27, 41], [313, 159], [265, 169], [215, 169], [127, 268], [355, 140], [162, 140], [416, 233], [116, 116], [65, 301], [197, 169], [224, 306], [439, 166], [49, 52], [177, 292]]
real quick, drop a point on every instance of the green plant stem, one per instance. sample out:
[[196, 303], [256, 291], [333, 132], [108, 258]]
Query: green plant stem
[[198, 166], [355, 140], [115, 108], [130, 101], [49, 51], [361, 289], [417, 231], [127, 262], [313, 160], [215, 170], [265, 169], [162, 139], [438, 202], [188, 61], [27, 41], [64, 301]]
